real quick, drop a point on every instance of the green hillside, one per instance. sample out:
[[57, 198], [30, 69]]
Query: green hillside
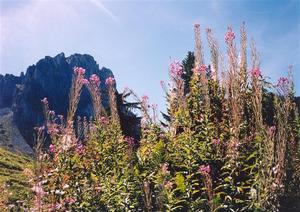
[[13, 180]]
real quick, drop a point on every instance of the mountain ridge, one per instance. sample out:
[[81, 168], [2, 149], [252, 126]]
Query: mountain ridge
[[51, 77]]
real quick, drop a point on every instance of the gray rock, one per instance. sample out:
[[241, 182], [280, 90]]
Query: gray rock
[[10, 137], [51, 78]]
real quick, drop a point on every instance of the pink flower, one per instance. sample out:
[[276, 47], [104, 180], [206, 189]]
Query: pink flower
[[282, 81], [168, 185], [79, 70], [204, 169], [110, 81], [130, 141], [53, 129], [271, 130], [52, 149], [84, 81], [145, 98], [162, 83], [104, 120], [45, 101], [256, 72], [208, 30], [38, 189], [198, 69], [216, 141], [229, 36], [283, 86], [197, 25], [54, 206], [94, 79], [176, 69], [79, 149], [70, 200]]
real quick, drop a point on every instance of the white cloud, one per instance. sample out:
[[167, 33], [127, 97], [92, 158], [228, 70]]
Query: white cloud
[[104, 9]]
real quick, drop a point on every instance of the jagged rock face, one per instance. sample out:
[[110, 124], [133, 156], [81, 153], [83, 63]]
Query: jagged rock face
[[10, 137], [8, 84], [51, 78]]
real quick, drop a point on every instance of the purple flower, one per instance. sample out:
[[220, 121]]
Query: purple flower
[[110, 81], [94, 79], [197, 25], [79, 71], [282, 81], [52, 149], [162, 83], [79, 149], [198, 69], [104, 120], [176, 69], [130, 141], [53, 129], [70, 200], [271, 130], [256, 72], [283, 86], [216, 141], [208, 30], [145, 99], [229, 36], [38, 189], [204, 169], [84, 81]]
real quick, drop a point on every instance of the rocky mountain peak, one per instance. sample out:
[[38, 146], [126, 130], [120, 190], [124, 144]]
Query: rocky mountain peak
[[50, 77]]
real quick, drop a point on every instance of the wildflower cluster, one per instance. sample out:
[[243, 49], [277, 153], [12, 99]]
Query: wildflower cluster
[[220, 147]]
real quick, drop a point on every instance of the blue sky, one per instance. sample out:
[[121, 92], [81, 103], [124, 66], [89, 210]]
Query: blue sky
[[136, 39]]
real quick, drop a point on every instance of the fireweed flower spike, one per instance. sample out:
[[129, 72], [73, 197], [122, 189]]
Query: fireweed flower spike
[[79, 70], [204, 169], [255, 72], [80, 149], [176, 69], [52, 149], [110, 81], [216, 141], [229, 36], [197, 25], [283, 86], [145, 99], [85, 81], [130, 141], [104, 120], [199, 69], [94, 79]]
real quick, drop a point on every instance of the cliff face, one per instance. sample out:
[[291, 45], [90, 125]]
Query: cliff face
[[10, 137], [51, 78], [8, 83]]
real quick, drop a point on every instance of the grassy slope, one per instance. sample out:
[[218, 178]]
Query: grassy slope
[[13, 182]]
